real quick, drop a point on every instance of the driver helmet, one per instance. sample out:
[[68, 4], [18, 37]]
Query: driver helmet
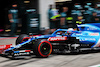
[[70, 29]]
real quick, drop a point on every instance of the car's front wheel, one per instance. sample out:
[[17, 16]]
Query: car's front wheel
[[42, 48], [22, 38]]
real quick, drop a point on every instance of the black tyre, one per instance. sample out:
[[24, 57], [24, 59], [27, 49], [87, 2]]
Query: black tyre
[[42, 48], [21, 38]]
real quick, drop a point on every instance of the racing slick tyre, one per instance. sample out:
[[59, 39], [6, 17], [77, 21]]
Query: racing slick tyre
[[42, 48], [22, 38]]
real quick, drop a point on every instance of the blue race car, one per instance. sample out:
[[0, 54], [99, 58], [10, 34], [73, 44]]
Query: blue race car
[[41, 46], [61, 41]]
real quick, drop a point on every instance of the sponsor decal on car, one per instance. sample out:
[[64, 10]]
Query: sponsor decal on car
[[79, 34], [88, 39], [2, 46], [94, 34], [5, 46], [57, 38], [92, 39], [55, 43], [91, 28], [18, 54]]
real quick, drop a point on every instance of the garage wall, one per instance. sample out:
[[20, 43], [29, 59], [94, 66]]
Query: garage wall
[[43, 11]]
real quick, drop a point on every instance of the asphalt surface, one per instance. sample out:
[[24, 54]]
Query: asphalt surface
[[54, 60]]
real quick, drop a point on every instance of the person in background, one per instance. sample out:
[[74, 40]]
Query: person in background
[[98, 9], [97, 18], [53, 14], [95, 8], [96, 13], [88, 13], [80, 20], [13, 18], [63, 17], [94, 17]]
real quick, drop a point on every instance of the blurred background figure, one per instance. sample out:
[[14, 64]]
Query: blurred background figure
[[76, 13], [77, 9], [97, 18], [80, 20], [89, 11], [63, 17], [98, 9], [94, 17], [13, 18], [53, 14]]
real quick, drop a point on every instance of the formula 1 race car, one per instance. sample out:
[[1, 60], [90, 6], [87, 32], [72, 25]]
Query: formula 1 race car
[[41, 46], [61, 41]]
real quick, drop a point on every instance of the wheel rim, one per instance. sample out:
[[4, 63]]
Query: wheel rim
[[45, 49]]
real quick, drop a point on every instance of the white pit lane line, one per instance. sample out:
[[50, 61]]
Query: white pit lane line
[[95, 65]]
